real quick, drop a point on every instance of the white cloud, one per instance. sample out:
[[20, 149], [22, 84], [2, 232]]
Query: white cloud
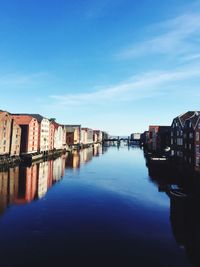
[[175, 37], [137, 87]]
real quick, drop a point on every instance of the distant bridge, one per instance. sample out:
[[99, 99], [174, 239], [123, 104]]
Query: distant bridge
[[117, 138], [123, 138]]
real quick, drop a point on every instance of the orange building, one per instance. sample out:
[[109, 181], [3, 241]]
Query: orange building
[[29, 133], [15, 139], [51, 135], [5, 132]]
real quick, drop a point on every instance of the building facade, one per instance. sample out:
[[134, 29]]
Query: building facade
[[159, 138], [197, 145], [73, 134], [88, 136], [15, 142], [5, 133], [98, 134], [181, 136], [29, 133], [51, 135]]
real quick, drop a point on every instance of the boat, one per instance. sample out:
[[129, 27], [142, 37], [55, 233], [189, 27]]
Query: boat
[[176, 192]]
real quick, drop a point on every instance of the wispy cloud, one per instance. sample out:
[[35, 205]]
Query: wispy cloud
[[21, 80], [137, 87], [175, 37]]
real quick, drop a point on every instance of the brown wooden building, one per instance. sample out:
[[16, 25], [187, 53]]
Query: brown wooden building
[[29, 135]]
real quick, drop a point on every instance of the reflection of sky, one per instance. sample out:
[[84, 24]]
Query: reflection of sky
[[124, 173], [109, 205]]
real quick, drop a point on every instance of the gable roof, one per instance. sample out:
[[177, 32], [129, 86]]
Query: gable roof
[[194, 119], [38, 117], [22, 119]]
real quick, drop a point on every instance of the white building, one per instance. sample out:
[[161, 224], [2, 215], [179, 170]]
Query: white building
[[44, 129], [58, 136]]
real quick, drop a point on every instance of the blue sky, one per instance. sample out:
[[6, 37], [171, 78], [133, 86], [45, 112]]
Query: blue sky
[[115, 65]]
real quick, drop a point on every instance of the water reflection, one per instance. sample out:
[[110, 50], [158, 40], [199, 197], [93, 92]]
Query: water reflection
[[21, 185], [184, 208]]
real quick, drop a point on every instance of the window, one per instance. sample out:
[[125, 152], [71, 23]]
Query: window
[[190, 124], [190, 146], [171, 141], [197, 136], [179, 141], [191, 135], [197, 161], [197, 148]]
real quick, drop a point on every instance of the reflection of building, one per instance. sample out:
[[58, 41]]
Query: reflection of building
[[42, 179], [185, 222], [26, 184], [73, 160], [13, 183], [3, 191], [50, 174], [97, 150], [87, 154], [21, 185], [57, 169]]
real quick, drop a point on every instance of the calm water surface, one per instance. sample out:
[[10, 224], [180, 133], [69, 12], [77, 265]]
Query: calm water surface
[[99, 206]]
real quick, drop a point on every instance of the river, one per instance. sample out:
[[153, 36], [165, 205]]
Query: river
[[98, 206]]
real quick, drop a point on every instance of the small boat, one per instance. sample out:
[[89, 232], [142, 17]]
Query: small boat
[[157, 161], [177, 192]]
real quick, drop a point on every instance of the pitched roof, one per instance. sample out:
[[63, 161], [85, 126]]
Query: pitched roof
[[185, 116], [38, 117], [22, 119], [194, 118]]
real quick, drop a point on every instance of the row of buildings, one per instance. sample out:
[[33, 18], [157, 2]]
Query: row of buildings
[[181, 139], [22, 134]]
